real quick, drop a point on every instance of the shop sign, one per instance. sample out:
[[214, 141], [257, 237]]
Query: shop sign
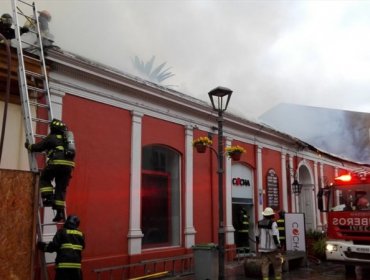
[[295, 232], [240, 182]]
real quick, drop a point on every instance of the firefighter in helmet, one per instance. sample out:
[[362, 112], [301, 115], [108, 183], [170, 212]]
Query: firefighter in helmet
[[6, 22], [68, 242], [59, 168], [269, 247]]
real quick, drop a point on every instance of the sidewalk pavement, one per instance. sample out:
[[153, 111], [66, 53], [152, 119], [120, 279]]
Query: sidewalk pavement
[[322, 271]]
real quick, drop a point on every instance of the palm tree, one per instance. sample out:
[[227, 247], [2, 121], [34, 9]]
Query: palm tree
[[145, 70]]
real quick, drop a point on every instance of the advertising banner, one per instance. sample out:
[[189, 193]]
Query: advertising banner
[[295, 232]]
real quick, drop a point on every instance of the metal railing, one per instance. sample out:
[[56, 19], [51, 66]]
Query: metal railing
[[238, 254], [176, 266]]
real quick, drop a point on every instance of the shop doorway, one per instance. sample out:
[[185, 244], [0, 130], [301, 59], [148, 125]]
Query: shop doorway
[[242, 222]]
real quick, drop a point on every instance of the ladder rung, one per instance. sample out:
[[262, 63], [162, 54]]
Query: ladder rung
[[34, 74], [41, 105], [32, 31], [26, 3], [31, 57], [52, 224], [33, 45], [36, 89], [40, 120], [40, 136]]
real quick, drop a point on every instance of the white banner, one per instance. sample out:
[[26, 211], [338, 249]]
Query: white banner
[[295, 232]]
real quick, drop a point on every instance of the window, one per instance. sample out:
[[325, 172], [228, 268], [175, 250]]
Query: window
[[160, 197]]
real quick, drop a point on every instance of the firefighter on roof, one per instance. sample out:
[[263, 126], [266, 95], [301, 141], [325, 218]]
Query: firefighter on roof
[[6, 22], [68, 242], [60, 164]]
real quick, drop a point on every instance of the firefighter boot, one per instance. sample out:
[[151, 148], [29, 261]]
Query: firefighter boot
[[59, 216], [47, 201]]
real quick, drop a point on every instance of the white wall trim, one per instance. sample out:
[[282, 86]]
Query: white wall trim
[[135, 234], [189, 214], [229, 228], [284, 180], [260, 192]]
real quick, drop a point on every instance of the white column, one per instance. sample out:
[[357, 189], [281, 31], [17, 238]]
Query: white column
[[189, 213], [323, 185], [284, 180], [229, 228], [259, 183], [293, 196], [318, 213], [134, 232], [56, 99]]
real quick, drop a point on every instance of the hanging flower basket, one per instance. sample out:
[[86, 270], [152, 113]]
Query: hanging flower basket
[[235, 152], [201, 144], [236, 156], [201, 148]]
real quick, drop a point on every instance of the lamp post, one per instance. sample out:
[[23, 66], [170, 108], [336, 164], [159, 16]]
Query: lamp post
[[220, 98], [296, 188]]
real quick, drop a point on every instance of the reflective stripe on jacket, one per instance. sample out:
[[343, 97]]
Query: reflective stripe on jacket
[[281, 228], [68, 243], [53, 144]]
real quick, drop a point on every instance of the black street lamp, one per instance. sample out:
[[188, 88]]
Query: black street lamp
[[220, 98], [296, 187]]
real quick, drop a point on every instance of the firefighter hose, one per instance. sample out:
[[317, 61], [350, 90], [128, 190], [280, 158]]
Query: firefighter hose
[[7, 93]]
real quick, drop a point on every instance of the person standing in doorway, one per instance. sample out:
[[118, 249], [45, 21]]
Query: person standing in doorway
[[267, 238], [243, 230]]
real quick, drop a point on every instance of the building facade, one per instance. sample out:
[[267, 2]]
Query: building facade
[[140, 188]]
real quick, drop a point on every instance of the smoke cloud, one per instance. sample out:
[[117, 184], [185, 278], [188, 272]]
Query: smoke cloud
[[268, 52]]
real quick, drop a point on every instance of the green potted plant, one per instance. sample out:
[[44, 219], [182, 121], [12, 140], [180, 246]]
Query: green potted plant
[[315, 244], [319, 248]]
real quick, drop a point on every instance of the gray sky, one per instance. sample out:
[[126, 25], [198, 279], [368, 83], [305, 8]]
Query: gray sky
[[305, 52]]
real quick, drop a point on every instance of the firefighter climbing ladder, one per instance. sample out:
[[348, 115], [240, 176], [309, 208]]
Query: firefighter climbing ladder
[[34, 91]]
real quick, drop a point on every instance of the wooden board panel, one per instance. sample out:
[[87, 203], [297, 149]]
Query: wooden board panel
[[17, 230]]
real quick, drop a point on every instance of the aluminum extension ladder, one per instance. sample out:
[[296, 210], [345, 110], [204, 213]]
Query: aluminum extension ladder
[[34, 96]]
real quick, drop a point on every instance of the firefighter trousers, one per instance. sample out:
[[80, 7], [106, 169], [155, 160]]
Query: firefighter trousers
[[68, 274], [273, 258], [62, 175]]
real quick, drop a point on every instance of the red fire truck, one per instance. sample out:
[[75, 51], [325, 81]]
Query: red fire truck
[[346, 202]]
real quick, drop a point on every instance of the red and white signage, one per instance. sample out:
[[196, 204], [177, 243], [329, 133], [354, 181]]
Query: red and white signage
[[295, 232]]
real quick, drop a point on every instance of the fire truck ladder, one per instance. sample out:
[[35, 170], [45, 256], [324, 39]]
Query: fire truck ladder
[[34, 96]]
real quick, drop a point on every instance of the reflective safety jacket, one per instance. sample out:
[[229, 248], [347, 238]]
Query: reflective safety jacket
[[281, 228], [54, 145], [244, 222], [267, 234], [68, 243]]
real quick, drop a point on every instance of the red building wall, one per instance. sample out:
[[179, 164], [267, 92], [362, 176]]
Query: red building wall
[[99, 190], [206, 187], [249, 157]]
